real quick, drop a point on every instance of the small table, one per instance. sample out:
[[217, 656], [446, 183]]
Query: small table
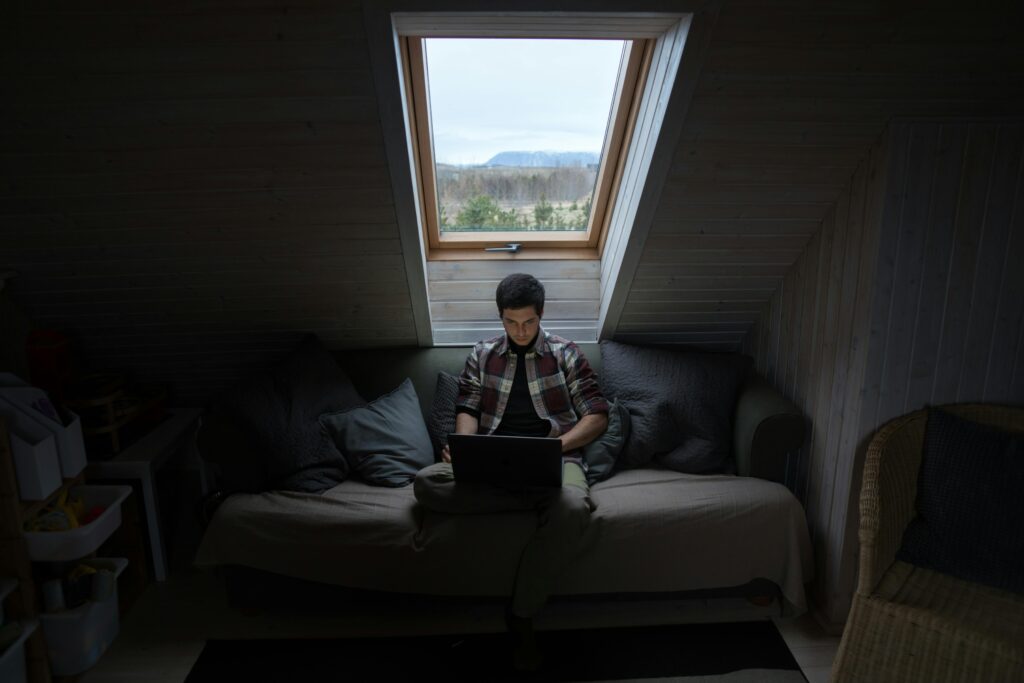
[[141, 461]]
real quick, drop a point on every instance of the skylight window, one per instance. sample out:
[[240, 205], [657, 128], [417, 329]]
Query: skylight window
[[519, 140], [518, 128]]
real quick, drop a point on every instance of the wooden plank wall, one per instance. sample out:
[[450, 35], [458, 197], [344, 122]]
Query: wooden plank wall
[[810, 346], [908, 295], [947, 323], [463, 309], [188, 188], [791, 97]]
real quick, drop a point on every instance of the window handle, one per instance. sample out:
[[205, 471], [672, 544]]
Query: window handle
[[513, 247]]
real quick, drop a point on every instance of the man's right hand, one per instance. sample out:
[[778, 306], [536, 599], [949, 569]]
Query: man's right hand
[[464, 424]]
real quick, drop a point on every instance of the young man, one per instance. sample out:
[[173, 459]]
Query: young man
[[530, 383]]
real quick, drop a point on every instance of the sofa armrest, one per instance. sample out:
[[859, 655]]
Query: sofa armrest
[[766, 428]]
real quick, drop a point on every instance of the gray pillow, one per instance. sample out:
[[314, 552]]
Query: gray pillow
[[441, 422], [264, 433], [385, 442], [601, 453], [680, 404]]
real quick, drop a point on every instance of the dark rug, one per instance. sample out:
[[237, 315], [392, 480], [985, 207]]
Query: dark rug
[[578, 655]]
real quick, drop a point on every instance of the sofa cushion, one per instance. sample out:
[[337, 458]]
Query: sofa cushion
[[385, 442], [264, 432], [441, 422], [969, 503], [601, 453], [680, 404]]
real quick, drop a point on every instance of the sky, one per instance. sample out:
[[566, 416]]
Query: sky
[[496, 95]]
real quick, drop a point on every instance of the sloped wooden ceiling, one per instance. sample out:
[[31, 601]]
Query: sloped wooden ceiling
[[791, 97], [188, 188]]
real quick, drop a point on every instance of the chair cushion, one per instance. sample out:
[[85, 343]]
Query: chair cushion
[[969, 606], [680, 404], [969, 503], [385, 442]]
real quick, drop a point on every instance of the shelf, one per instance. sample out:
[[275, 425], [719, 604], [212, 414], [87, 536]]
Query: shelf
[[112, 411], [15, 562], [130, 415]]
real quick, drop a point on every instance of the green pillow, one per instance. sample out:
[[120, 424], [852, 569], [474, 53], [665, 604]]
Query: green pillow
[[601, 453], [385, 442]]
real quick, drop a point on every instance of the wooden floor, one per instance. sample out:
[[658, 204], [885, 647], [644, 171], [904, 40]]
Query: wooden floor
[[165, 630]]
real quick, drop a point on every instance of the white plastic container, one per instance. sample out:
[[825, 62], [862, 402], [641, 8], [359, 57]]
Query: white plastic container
[[34, 448], [36, 405], [57, 546], [76, 638], [12, 661]]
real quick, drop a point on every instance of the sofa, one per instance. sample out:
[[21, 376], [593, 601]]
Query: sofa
[[656, 531]]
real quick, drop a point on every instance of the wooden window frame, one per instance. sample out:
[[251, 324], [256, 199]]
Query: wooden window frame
[[588, 244]]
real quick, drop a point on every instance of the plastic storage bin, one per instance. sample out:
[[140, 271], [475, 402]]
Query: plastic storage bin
[[34, 404], [34, 448], [58, 546], [12, 661], [76, 638]]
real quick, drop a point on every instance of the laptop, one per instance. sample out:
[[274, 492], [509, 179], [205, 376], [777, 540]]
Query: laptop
[[511, 462]]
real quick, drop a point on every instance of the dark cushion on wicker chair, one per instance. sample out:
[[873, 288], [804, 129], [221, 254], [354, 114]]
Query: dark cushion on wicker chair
[[970, 502]]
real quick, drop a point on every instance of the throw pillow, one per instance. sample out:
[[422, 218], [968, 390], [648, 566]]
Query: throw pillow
[[680, 403], [265, 432], [969, 503], [386, 442], [601, 453], [442, 412]]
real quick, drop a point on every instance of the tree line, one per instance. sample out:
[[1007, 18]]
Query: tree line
[[484, 213], [497, 198]]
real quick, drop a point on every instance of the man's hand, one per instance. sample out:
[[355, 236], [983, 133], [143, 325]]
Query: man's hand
[[464, 424], [586, 430]]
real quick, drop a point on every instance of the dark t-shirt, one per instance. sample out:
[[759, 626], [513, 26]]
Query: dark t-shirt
[[520, 417]]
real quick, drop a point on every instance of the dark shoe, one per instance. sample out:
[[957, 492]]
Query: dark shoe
[[526, 655]]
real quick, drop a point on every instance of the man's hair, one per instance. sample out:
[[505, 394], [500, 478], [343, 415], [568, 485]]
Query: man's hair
[[520, 290]]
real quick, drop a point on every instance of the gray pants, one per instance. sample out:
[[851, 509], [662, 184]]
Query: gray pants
[[562, 518]]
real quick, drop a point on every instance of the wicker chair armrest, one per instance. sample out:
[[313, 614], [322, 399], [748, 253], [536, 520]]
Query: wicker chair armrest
[[887, 495]]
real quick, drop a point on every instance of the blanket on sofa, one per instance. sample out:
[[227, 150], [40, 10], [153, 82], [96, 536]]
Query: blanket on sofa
[[660, 529]]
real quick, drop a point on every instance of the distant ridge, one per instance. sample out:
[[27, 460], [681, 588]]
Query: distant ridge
[[543, 159]]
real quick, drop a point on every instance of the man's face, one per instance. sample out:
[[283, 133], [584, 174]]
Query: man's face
[[521, 324]]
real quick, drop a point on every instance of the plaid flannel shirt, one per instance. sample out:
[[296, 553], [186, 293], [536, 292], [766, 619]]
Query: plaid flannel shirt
[[562, 384]]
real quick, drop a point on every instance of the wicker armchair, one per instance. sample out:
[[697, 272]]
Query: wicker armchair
[[912, 624]]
